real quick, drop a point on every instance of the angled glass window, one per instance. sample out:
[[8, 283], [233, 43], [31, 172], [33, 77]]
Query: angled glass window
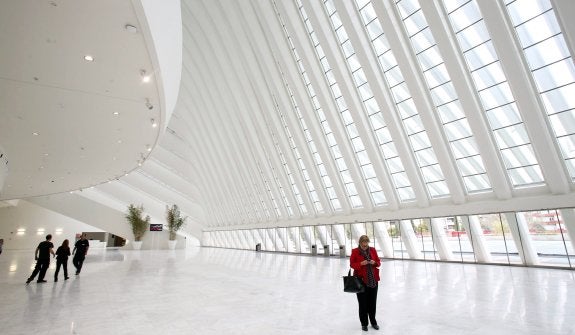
[[324, 176], [279, 185], [269, 191], [445, 100], [495, 94], [295, 189], [309, 184], [354, 199], [552, 69], [365, 93], [381, 48]]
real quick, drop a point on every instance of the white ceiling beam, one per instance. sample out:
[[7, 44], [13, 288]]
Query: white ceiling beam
[[286, 65], [330, 46], [527, 98], [468, 97], [261, 105], [300, 39]]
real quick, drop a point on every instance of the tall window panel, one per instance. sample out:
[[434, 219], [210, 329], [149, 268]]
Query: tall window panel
[[280, 188], [394, 164], [448, 107], [254, 205], [551, 67], [319, 164], [269, 191], [260, 199], [301, 166], [337, 156], [365, 93], [412, 124], [289, 174], [307, 179], [248, 207], [418, 139], [494, 92], [324, 176]]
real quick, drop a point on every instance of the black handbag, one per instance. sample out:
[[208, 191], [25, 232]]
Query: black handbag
[[352, 284]]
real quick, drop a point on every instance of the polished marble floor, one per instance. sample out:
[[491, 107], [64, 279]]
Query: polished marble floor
[[220, 291]]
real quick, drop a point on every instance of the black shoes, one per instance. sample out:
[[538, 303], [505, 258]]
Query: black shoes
[[38, 281], [66, 278], [375, 326], [55, 280]]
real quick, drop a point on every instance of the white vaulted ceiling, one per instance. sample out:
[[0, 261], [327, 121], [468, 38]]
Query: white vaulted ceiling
[[68, 123], [288, 112]]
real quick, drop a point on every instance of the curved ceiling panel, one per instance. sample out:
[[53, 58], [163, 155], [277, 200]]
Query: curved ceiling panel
[[74, 109]]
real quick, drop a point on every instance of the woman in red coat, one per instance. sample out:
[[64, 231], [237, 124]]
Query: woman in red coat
[[365, 264]]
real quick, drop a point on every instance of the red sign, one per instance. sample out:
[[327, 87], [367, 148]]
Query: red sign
[[156, 227]]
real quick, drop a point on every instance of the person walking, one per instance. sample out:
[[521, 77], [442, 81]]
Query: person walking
[[42, 256], [365, 264], [80, 251], [62, 254]]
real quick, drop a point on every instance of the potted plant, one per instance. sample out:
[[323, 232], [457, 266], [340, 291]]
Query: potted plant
[[138, 222], [175, 222]]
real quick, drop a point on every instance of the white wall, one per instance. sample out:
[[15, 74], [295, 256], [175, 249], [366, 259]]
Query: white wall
[[64, 215], [3, 168], [31, 217]]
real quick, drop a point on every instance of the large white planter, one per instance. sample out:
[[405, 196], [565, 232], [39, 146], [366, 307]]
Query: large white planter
[[137, 245], [172, 244]]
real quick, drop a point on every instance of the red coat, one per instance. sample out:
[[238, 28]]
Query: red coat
[[361, 270]]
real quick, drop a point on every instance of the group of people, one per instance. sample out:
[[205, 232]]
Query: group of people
[[363, 260], [46, 248]]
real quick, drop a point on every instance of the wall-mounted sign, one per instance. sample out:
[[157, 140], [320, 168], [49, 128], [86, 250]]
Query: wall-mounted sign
[[156, 227]]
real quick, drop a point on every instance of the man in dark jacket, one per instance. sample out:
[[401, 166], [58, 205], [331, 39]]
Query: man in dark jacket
[[42, 256], [80, 251]]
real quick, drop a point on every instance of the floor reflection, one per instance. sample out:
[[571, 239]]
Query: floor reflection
[[222, 291]]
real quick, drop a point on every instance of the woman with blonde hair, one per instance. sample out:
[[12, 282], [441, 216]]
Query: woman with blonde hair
[[365, 264]]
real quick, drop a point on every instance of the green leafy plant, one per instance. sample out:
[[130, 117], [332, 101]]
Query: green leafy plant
[[137, 221], [175, 220]]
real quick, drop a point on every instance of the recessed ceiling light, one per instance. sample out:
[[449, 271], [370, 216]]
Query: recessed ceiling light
[[116, 113], [154, 123], [35, 133], [145, 76], [88, 58], [131, 29], [149, 104]]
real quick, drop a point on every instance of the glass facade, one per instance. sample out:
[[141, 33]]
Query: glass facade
[[401, 106], [532, 238]]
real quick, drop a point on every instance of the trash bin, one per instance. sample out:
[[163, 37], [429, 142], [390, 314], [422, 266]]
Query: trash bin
[[314, 249], [326, 250], [259, 247], [342, 251]]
